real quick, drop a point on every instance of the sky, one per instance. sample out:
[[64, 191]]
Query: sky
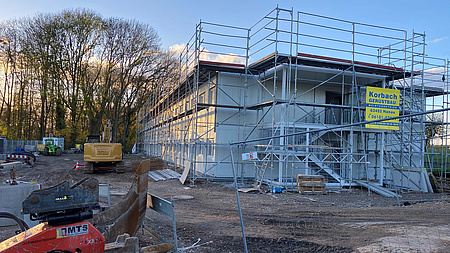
[[175, 20]]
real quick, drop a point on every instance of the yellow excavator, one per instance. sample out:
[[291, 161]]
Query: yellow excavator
[[102, 155]]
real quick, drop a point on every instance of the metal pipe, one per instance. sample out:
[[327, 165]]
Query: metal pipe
[[237, 199]]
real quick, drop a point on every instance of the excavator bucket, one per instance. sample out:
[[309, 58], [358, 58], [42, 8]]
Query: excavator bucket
[[127, 215]]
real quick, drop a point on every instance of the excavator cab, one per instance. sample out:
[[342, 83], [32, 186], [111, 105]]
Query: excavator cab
[[93, 139]]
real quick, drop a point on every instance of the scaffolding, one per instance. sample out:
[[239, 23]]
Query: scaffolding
[[289, 90]]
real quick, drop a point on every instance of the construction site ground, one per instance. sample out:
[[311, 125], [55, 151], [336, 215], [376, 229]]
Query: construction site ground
[[343, 220]]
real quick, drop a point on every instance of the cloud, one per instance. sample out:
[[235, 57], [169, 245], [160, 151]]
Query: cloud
[[177, 48], [436, 70], [226, 58], [436, 40], [205, 55]]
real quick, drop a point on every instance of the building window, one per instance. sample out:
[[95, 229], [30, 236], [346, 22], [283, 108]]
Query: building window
[[200, 147], [211, 96], [210, 147]]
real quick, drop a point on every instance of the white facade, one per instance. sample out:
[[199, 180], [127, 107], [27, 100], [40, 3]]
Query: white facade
[[301, 113]]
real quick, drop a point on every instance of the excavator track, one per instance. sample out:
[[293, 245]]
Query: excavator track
[[120, 167], [88, 168]]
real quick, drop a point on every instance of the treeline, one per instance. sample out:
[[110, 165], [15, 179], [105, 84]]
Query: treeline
[[68, 73]]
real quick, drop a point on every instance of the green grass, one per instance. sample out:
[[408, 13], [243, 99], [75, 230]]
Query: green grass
[[439, 157]]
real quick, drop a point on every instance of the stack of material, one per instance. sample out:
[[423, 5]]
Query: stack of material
[[161, 175], [310, 184]]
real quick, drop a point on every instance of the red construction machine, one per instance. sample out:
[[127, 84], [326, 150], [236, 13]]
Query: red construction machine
[[63, 212], [66, 214]]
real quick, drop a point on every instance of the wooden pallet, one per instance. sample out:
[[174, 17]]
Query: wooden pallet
[[310, 184]]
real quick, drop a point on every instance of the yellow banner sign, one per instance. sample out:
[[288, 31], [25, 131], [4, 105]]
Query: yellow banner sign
[[380, 104]]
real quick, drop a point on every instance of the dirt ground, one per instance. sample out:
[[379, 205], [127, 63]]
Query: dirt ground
[[343, 220]]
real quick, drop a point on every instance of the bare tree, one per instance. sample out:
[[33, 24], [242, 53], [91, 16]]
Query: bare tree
[[69, 72], [433, 127], [10, 59], [40, 48], [135, 58], [80, 33]]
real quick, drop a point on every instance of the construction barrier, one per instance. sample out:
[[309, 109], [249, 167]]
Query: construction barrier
[[26, 159]]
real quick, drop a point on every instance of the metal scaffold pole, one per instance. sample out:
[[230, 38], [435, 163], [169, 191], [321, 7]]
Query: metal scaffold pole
[[264, 88], [237, 198]]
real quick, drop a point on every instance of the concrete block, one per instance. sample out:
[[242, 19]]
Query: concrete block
[[11, 197], [5, 167]]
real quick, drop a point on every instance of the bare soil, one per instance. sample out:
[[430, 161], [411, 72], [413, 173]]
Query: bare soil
[[343, 220]]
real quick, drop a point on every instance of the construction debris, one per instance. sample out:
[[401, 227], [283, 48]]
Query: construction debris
[[123, 244], [441, 184], [160, 248]]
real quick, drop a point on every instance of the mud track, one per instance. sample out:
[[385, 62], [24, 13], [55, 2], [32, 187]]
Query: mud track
[[340, 221]]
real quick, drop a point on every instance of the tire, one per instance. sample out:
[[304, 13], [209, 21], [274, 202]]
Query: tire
[[45, 151], [58, 152]]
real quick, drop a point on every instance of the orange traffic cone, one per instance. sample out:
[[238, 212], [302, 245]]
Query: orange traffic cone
[[77, 166]]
